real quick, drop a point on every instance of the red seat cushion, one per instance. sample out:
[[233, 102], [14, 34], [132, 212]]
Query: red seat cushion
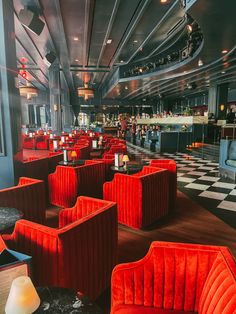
[[135, 309]]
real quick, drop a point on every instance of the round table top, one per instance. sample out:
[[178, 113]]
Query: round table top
[[8, 217], [55, 300], [131, 169], [72, 163]]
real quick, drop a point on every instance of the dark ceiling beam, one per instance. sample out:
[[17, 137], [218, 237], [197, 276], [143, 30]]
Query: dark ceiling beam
[[109, 28], [88, 23], [139, 13], [63, 49]]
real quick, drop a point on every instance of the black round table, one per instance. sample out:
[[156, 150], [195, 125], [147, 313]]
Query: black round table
[[8, 218], [130, 169], [55, 300], [72, 163]]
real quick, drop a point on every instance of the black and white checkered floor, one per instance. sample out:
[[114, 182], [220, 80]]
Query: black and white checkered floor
[[200, 180]]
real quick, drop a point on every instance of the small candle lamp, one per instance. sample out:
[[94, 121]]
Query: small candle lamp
[[100, 144], [23, 298], [67, 138], [60, 144], [125, 160], [73, 155]]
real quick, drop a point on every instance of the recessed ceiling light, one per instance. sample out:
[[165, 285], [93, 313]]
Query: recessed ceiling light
[[76, 60], [223, 72], [109, 41], [163, 1], [121, 61], [77, 74], [126, 87], [189, 28], [224, 51], [200, 62], [135, 41], [76, 38]]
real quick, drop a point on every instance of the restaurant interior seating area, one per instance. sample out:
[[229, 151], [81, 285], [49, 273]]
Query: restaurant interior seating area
[[117, 157]]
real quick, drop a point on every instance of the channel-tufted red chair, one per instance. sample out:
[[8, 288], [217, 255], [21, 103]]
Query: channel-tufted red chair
[[141, 198], [66, 183], [28, 197], [170, 165], [80, 255], [175, 278]]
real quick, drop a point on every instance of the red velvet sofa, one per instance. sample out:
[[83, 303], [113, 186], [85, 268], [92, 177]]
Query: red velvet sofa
[[66, 183], [80, 255], [28, 196], [170, 165], [176, 278], [53, 160], [141, 198]]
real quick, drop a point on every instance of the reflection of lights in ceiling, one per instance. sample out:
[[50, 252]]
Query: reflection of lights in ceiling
[[28, 91], [86, 92]]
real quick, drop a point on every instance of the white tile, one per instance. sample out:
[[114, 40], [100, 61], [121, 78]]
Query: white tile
[[186, 169], [187, 180], [213, 164], [224, 185], [213, 195], [206, 168], [180, 174], [227, 205], [186, 161], [196, 164], [197, 173], [207, 178], [233, 192], [195, 186], [214, 171]]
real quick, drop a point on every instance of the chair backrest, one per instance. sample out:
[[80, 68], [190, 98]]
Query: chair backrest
[[232, 150], [28, 196]]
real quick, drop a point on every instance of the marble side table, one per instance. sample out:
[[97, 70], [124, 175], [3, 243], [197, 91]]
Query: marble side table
[[8, 218], [55, 300]]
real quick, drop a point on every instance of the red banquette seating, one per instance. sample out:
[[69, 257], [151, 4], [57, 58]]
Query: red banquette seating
[[176, 278]]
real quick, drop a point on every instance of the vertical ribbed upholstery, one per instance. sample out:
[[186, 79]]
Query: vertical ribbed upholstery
[[68, 182], [170, 165], [219, 293], [41, 142], [28, 197], [35, 168], [108, 162], [63, 186], [28, 142], [141, 198], [79, 256], [175, 276]]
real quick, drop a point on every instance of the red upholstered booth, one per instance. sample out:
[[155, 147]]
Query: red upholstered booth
[[53, 160], [170, 165], [79, 255], [28, 142], [28, 196], [42, 142], [141, 198], [66, 183], [176, 278]]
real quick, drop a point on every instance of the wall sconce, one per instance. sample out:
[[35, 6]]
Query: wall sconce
[[55, 107], [222, 107]]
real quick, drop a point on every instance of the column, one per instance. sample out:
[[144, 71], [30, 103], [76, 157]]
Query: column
[[10, 106], [55, 98], [212, 99], [222, 99]]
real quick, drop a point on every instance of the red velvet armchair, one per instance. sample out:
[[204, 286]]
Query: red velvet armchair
[[28, 196], [80, 255], [66, 183], [170, 165], [176, 278], [141, 198]]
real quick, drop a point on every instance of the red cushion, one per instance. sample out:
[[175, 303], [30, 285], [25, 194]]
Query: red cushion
[[136, 309]]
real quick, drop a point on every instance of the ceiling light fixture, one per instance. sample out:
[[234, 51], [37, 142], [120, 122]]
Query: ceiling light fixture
[[189, 28], [223, 72], [200, 63], [28, 91], [224, 51], [163, 1], [126, 87], [76, 60], [109, 41], [86, 92], [135, 41], [75, 38], [121, 61]]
